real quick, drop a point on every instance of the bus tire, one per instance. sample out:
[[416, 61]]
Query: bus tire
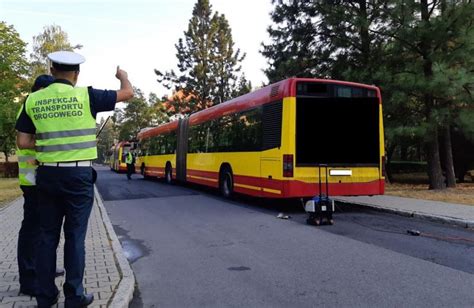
[[168, 174], [226, 182]]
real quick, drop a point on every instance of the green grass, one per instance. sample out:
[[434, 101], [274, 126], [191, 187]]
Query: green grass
[[9, 191]]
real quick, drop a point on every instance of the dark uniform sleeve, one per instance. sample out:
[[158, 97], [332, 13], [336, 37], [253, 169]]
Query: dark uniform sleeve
[[102, 100], [24, 123]]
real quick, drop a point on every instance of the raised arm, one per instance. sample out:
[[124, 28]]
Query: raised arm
[[126, 90]]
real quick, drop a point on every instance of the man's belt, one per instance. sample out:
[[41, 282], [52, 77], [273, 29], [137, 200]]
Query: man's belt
[[82, 163]]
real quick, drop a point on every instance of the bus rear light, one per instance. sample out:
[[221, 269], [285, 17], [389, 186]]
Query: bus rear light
[[288, 166], [383, 165]]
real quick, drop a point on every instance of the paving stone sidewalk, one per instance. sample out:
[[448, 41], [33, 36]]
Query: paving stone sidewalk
[[102, 274], [458, 214]]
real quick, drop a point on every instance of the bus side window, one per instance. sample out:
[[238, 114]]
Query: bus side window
[[225, 140], [174, 142], [153, 146]]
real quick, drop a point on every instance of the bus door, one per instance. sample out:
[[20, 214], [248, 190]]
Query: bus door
[[182, 149], [269, 174]]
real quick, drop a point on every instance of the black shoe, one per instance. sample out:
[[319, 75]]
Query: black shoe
[[86, 300], [52, 303], [59, 272]]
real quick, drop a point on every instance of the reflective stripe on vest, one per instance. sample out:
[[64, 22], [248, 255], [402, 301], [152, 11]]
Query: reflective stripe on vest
[[66, 147], [26, 164], [25, 158], [26, 167], [65, 127], [67, 133]]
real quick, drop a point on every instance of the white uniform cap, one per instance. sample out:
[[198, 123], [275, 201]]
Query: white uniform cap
[[66, 58]]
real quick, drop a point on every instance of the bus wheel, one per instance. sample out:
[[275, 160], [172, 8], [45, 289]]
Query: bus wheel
[[168, 174], [226, 182]]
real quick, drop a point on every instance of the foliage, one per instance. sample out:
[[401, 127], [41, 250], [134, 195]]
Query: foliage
[[136, 115], [207, 62], [160, 115], [433, 43], [336, 39], [52, 39], [13, 69], [294, 50], [106, 139]]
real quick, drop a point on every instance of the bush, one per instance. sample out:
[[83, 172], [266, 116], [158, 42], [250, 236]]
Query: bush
[[406, 166]]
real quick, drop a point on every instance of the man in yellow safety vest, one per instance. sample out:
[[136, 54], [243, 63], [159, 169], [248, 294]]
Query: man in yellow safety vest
[[59, 123], [28, 237], [130, 164]]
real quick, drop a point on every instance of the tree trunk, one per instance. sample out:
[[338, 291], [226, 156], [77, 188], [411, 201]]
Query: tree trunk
[[435, 173], [364, 33], [448, 157], [389, 154], [446, 134], [6, 156]]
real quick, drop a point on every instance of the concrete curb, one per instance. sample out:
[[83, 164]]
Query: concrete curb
[[124, 292], [431, 217]]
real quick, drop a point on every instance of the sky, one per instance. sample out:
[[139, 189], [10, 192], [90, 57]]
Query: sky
[[138, 35]]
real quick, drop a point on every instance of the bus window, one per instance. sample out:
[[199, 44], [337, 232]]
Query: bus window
[[337, 130]]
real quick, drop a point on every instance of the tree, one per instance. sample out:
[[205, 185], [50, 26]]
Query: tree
[[13, 69], [207, 63], [106, 139], [437, 39], [160, 115], [136, 115], [418, 52], [336, 39], [53, 38], [294, 50]]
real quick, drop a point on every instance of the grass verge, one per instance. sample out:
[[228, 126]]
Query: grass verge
[[9, 191], [463, 193]]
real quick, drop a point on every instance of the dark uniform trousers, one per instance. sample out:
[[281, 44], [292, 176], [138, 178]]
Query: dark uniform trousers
[[28, 240], [130, 170], [63, 192]]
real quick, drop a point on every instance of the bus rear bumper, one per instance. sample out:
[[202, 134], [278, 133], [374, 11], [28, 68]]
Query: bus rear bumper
[[299, 189]]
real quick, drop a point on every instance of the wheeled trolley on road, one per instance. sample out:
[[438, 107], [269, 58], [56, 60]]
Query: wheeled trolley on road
[[320, 207]]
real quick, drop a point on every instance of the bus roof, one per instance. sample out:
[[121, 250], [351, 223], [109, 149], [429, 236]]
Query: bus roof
[[268, 94], [162, 129]]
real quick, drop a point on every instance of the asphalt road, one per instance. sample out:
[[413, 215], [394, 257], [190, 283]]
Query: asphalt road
[[188, 247]]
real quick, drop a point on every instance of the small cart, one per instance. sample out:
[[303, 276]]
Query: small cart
[[320, 208]]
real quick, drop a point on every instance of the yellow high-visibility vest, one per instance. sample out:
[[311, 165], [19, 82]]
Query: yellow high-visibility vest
[[26, 164], [129, 158], [65, 127]]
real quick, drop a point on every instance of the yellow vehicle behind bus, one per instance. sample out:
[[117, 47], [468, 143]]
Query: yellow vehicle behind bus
[[117, 158]]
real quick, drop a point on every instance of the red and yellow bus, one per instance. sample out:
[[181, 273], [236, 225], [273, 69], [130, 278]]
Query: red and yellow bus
[[117, 157], [270, 142]]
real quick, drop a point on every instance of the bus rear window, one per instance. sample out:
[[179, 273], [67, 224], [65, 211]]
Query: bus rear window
[[312, 89], [318, 89], [337, 130]]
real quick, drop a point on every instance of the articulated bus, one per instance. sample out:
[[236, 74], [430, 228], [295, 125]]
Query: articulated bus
[[117, 157], [272, 142]]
